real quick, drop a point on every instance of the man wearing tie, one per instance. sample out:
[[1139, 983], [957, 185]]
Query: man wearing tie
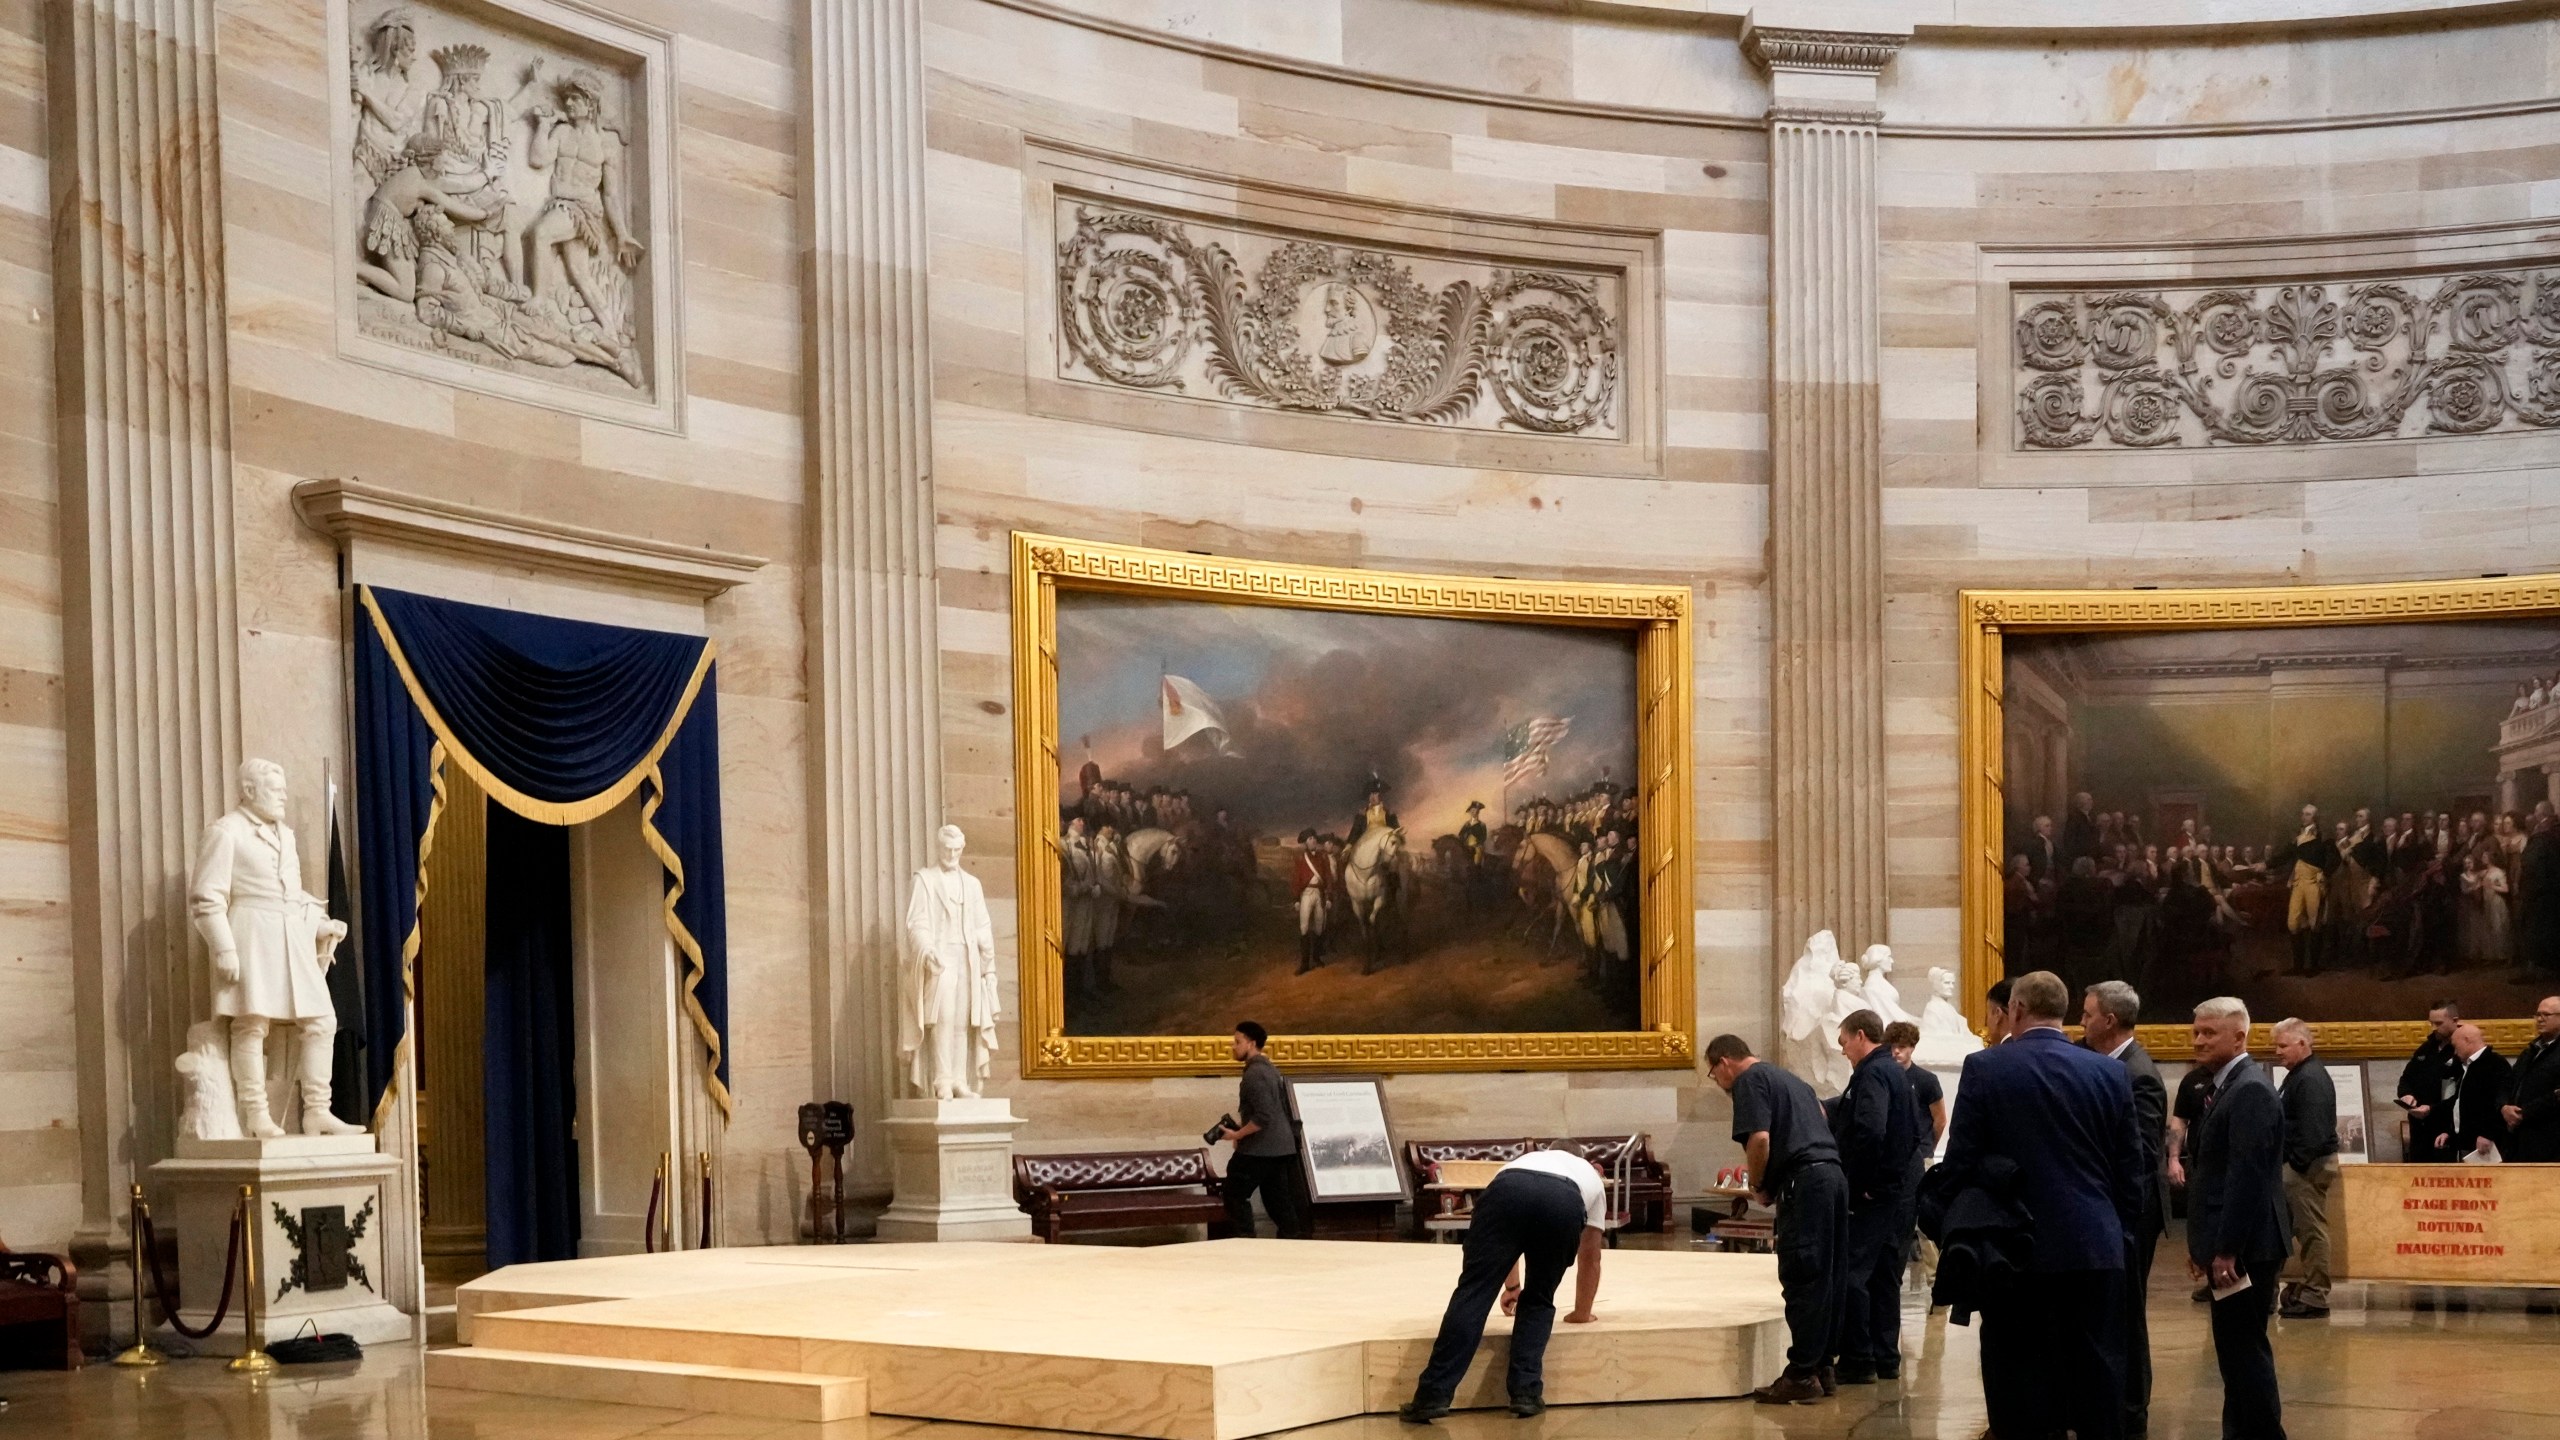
[[2481, 1079], [2053, 1341], [2108, 1014], [2237, 1236], [2423, 1091]]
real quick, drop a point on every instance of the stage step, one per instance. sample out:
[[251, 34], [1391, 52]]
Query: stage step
[[717, 1389]]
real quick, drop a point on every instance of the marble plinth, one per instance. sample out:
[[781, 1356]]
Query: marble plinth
[[291, 1178], [952, 1164], [1204, 1341]]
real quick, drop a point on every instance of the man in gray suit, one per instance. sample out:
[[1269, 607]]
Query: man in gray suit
[[2108, 1013], [2237, 1231]]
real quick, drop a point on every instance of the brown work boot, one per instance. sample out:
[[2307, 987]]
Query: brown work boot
[[1789, 1389]]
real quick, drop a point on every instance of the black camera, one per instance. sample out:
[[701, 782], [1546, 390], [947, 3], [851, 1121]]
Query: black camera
[[1218, 1132]]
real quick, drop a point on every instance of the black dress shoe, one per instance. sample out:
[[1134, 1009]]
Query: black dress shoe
[[2296, 1310], [1889, 1370], [1422, 1412], [1857, 1372], [1528, 1407], [1828, 1379], [1790, 1390]]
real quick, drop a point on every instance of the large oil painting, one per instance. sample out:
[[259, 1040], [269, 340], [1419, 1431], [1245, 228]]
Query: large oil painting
[[1363, 823], [2348, 821]]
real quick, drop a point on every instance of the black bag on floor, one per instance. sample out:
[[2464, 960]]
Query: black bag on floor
[[316, 1348]]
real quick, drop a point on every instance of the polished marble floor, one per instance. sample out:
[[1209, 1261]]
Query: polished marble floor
[[2413, 1364]]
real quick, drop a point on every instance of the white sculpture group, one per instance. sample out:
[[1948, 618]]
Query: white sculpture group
[[1823, 989], [270, 942], [491, 275], [947, 983]]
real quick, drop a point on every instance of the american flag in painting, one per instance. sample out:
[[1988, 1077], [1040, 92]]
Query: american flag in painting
[[1525, 746]]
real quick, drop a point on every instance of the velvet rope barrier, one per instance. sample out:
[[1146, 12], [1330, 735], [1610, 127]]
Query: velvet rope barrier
[[149, 1240]]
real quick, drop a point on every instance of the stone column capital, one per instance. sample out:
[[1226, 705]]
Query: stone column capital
[[1823, 61]]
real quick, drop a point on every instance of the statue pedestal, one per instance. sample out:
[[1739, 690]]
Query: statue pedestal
[[317, 1223], [952, 1164]]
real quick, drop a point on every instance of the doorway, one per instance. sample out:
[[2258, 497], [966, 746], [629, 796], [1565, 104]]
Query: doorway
[[549, 1054]]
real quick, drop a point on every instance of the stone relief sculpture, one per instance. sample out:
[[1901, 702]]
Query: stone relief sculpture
[[1945, 1038], [270, 942], [1154, 302], [2289, 364], [497, 221], [1881, 995], [947, 985]]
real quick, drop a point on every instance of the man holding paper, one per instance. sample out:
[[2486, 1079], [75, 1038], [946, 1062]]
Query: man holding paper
[[2237, 1234]]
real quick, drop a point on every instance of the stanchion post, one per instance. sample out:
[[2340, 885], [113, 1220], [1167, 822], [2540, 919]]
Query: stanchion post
[[139, 1355], [253, 1359], [705, 1227]]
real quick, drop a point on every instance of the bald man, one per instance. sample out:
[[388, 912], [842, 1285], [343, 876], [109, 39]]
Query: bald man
[[2481, 1080]]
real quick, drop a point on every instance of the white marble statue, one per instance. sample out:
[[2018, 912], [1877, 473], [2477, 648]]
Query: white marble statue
[[1945, 1038], [271, 942], [1883, 996], [947, 987], [1809, 1044]]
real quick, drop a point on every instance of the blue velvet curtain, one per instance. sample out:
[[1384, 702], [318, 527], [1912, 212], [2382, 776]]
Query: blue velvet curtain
[[558, 721], [529, 1045]]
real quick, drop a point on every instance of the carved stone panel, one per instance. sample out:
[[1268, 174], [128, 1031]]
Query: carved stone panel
[[503, 202], [1283, 317], [2288, 363]]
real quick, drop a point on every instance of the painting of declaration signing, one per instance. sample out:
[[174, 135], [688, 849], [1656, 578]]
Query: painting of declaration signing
[[2342, 822], [1343, 823]]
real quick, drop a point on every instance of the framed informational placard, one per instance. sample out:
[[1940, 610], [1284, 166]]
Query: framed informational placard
[[2354, 1145], [1344, 1142]]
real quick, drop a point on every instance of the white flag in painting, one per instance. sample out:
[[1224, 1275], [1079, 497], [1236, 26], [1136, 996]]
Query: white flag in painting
[[1188, 712]]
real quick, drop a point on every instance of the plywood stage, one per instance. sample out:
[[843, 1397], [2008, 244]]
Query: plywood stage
[[1193, 1342]]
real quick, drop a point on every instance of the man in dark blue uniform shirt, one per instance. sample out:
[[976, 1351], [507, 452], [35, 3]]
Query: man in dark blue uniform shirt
[[1795, 1167], [1877, 1129]]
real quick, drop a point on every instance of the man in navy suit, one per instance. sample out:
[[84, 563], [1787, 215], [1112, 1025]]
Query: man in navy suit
[[2053, 1341], [2237, 1234]]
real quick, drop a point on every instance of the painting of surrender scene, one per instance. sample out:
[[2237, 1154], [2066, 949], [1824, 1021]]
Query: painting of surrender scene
[[1343, 823], [2341, 822]]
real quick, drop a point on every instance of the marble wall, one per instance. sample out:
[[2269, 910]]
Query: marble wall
[[1700, 520], [2006, 156], [39, 1098]]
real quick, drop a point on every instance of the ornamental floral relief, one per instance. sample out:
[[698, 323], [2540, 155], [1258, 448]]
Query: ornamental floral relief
[[1153, 302], [501, 196], [2295, 363]]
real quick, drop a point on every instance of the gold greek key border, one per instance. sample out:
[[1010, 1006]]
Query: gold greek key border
[[1985, 615], [1658, 614]]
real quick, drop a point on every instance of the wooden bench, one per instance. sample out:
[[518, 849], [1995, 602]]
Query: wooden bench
[[1117, 1190], [1648, 1197]]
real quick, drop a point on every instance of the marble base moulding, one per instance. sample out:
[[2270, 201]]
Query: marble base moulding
[[317, 1222], [952, 1164], [1095, 1339]]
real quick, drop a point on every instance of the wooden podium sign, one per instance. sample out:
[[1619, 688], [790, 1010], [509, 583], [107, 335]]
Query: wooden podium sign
[[2450, 1224]]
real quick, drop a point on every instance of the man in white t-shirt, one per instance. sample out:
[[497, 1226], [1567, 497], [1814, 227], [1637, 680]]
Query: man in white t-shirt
[[1546, 1208]]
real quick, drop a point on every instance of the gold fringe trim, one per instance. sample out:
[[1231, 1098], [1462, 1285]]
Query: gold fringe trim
[[695, 968], [410, 942], [546, 812]]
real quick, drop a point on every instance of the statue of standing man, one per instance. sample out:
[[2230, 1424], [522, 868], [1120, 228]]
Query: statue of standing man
[[267, 936], [947, 987]]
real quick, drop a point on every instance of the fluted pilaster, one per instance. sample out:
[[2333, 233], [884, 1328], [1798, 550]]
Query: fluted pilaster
[[877, 684], [150, 626], [1826, 465]]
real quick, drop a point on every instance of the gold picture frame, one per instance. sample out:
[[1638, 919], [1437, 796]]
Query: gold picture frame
[[1985, 616], [1658, 616]]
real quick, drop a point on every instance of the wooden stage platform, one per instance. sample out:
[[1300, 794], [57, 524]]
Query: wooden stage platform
[[1192, 1342]]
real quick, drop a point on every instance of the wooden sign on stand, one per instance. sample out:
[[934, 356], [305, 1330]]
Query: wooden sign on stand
[[2450, 1224]]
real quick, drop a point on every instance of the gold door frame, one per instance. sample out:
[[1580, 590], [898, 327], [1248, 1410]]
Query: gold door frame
[[1986, 615], [1657, 614]]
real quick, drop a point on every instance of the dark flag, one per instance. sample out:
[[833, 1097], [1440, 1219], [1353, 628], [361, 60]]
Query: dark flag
[[347, 1098]]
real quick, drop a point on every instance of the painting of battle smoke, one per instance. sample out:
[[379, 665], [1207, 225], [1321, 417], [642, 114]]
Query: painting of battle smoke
[[1343, 824]]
